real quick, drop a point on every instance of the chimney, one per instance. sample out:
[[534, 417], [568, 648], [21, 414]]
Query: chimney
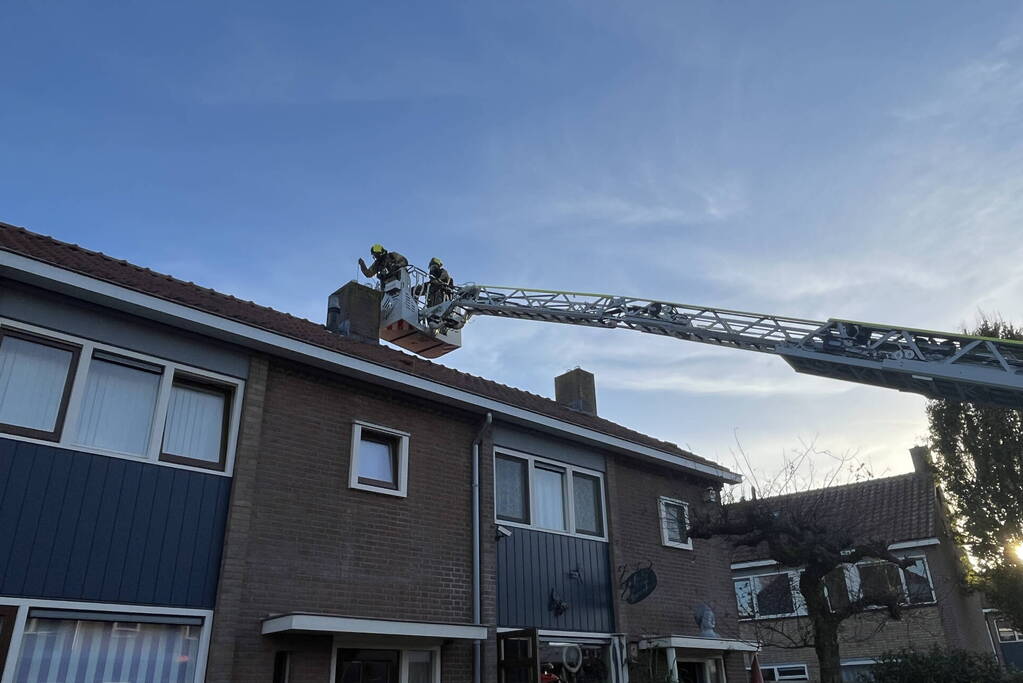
[[354, 312], [576, 390], [921, 456]]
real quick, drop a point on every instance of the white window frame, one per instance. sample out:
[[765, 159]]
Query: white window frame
[[67, 434], [569, 486], [402, 474], [25, 604], [1017, 636], [798, 603], [805, 676], [662, 504], [403, 645], [852, 580]]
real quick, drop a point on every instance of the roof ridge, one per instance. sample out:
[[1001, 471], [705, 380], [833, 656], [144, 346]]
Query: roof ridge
[[865, 482], [415, 363]]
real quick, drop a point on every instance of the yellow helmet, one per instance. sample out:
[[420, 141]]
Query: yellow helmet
[[377, 249], [436, 262]]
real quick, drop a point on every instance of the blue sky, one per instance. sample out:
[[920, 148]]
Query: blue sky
[[859, 160]]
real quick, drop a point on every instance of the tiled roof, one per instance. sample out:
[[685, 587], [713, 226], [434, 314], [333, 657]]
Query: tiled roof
[[100, 266], [895, 509]]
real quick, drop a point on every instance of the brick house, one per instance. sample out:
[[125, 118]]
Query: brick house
[[906, 510], [194, 487]]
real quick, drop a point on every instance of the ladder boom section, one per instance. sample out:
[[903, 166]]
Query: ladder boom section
[[935, 364]]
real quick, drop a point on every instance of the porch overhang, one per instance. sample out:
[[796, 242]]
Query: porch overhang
[[298, 622], [697, 643]]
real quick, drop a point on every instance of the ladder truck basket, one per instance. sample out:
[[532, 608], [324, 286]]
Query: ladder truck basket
[[403, 310]]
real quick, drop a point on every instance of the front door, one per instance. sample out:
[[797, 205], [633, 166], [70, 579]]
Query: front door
[[518, 657], [7, 616], [367, 666]]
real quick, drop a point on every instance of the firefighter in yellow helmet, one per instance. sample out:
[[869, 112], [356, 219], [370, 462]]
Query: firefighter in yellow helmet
[[387, 265], [440, 285]]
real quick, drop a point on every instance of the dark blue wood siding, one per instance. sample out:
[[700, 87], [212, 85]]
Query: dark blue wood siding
[[78, 526], [530, 564], [1013, 654]]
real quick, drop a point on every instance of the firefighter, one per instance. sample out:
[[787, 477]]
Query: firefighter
[[441, 284], [387, 265]]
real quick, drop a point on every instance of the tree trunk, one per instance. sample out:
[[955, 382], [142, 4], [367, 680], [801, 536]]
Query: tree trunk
[[825, 643]]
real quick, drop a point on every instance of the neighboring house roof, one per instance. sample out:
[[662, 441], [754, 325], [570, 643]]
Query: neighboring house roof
[[100, 266], [894, 509]]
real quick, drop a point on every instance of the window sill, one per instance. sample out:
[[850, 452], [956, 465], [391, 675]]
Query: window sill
[[680, 546], [378, 489], [520, 525]]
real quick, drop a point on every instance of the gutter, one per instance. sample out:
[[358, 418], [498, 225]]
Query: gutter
[[477, 561], [118, 297]]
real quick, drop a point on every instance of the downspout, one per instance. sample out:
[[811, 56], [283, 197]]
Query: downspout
[[477, 619]]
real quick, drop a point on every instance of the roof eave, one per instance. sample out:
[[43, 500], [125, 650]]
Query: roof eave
[[118, 297]]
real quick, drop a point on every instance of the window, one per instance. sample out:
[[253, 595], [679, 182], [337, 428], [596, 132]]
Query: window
[[875, 582], [589, 511], [368, 666], [836, 589], [1006, 633], [674, 515], [549, 495], [879, 582], [420, 666], [511, 476], [197, 424], [282, 667], [379, 459], [95, 398], [857, 673], [118, 406], [8, 615], [784, 672], [67, 646], [769, 595], [918, 582], [549, 501], [35, 382]]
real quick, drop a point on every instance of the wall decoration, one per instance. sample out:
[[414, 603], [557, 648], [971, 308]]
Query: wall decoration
[[637, 585]]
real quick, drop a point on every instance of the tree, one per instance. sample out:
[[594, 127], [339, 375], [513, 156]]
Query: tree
[[815, 532], [979, 462]]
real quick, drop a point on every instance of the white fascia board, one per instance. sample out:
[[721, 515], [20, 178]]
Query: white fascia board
[[902, 545], [922, 543], [754, 563], [319, 623], [696, 643], [115, 296]]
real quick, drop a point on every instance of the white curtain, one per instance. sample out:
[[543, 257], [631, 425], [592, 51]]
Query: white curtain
[[32, 378], [550, 498], [586, 493], [195, 424], [511, 489], [117, 409], [420, 666], [73, 651]]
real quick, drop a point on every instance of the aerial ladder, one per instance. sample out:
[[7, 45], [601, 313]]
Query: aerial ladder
[[937, 365]]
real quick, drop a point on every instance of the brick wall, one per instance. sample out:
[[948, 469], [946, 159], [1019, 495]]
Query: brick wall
[[299, 539], [686, 579]]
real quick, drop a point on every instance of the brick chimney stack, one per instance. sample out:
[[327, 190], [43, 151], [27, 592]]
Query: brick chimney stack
[[921, 456], [354, 312], [577, 390]]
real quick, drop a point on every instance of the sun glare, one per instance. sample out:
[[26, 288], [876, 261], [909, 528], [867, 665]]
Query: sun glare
[[1019, 551]]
